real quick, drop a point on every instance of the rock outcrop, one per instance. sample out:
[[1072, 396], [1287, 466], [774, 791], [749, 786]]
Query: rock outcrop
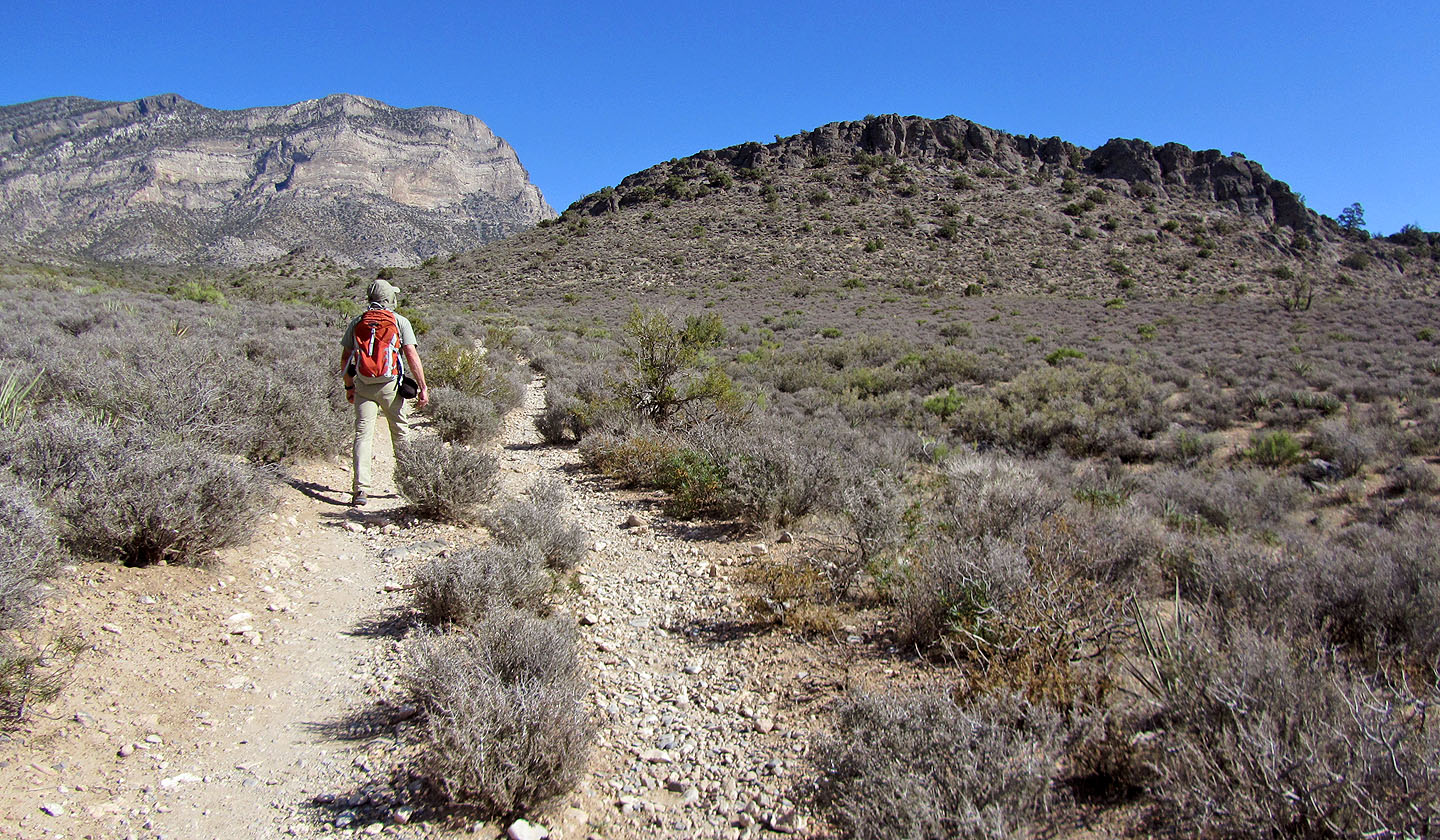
[[164, 180], [1229, 180]]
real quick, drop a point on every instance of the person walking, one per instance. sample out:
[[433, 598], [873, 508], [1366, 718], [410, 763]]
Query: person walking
[[377, 352]]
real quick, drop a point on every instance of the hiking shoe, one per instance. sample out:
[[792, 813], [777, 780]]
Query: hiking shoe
[[359, 499]]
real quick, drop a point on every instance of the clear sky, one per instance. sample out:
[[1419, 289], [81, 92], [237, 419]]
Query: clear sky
[[1339, 99]]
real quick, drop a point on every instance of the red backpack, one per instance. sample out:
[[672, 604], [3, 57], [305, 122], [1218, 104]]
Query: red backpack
[[377, 344]]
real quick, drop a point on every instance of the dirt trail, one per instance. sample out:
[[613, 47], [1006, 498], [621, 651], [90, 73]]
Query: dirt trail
[[258, 696]]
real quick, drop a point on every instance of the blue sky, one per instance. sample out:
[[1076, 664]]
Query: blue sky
[[1339, 99]]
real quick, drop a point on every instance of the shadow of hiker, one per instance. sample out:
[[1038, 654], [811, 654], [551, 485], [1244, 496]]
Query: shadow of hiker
[[393, 623], [320, 492]]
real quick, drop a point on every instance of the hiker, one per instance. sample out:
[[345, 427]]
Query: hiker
[[374, 367]]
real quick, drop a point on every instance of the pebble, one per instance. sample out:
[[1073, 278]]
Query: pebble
[[633, 521], [589, 619], [53, 809], [111, 628], [525, 830], [759, 550], [392, 585], [126, 751]]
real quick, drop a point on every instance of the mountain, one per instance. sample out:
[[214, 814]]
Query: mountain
[[938, 207], [164, 180]]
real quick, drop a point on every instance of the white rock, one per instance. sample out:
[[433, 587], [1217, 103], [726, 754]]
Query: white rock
[[54, 809], [589, 619], [759, 550], [178, 780], [392, 586], [239, 617], [524, 830]]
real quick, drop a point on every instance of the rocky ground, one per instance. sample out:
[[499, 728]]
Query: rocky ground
[[260, 695]]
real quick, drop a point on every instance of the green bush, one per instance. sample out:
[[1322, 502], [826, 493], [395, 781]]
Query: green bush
[[1276, 448]]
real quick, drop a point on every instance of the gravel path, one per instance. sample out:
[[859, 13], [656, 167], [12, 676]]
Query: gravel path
[[260, 696]]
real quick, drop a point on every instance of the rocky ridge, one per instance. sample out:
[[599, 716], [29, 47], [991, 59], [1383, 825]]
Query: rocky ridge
[[936, 208], [164, 180]]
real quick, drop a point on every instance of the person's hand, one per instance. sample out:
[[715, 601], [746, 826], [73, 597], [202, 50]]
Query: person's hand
[[423, 397], [350, 394]]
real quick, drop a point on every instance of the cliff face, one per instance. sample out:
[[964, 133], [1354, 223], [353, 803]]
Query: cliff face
[[165, 180]]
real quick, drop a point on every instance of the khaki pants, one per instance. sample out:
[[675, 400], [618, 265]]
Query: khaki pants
[[370, 400]]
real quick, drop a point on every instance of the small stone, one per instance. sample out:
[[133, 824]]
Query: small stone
[[111, 628], [374, 828], [54, 809], [786, 537], [633, 521], [759, 550], [589, 619], [392, 586], [178, 780], [152, 738], [694, 666], [599, 546], [239, 618], [790, 822], [764, 725], [354, 528], [402, 816], [126, 751], [525, 830]]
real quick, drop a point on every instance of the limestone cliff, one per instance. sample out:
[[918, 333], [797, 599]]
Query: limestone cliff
[[164, 180]]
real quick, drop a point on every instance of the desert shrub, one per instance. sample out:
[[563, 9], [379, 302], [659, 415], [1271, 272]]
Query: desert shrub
[[1019, 621], [1109, 546], [444, 481], [1411, 476], [124, 494], [29, 551], [1259, 736], [1082, 408], [538, 525], [493, 376], [506, 727], [459, 417], [1347, 444], [924, 766], [636, 457], [1379, 588], [1227, 500], [872, 505], [989, 494], [475, 582], [1185, 447], [269, 397], [765, 471], [669, 372]]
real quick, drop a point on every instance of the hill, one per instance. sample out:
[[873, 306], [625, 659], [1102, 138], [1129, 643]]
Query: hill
[[163, 180], [941, 207]]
